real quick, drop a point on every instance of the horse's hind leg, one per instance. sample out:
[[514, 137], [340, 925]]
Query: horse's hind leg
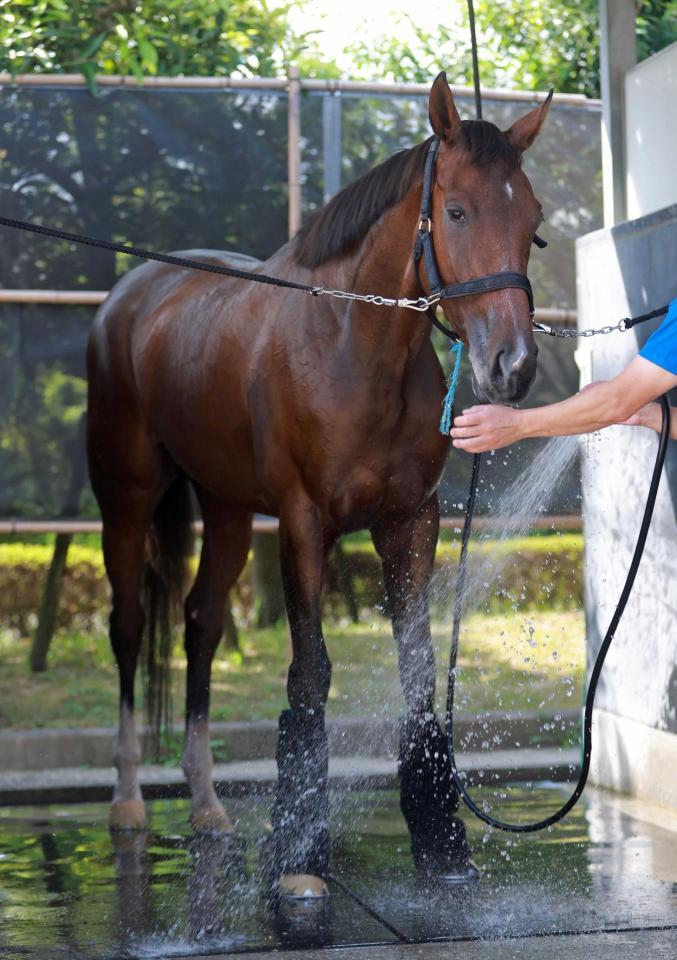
[[225, 545], [428, 797], [123, 546]]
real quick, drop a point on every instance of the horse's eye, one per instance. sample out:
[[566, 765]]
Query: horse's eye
[[456, 214]]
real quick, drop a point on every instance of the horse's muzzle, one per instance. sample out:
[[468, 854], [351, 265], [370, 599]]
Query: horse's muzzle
[[510, 376]]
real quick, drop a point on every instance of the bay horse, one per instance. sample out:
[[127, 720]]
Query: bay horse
[[321, 412]]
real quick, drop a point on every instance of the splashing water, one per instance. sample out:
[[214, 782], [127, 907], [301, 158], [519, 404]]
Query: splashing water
[[511, 515]]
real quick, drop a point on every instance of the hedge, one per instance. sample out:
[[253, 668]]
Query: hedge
[[542, 571]]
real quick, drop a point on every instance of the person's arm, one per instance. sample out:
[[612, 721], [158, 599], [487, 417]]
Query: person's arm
[[482, 428]]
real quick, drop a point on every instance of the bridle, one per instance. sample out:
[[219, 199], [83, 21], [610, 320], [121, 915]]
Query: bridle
[[424, 249]]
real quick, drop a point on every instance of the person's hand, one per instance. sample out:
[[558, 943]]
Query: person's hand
[[648, 416], [486, 428]]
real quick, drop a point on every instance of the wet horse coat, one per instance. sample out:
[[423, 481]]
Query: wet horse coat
[[323, 413]]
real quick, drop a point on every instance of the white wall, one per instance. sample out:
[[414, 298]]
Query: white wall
[[622, 272], [651, 134]]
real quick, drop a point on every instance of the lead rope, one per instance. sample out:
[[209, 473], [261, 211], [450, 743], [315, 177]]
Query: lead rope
[[618, 612], [456, 350]]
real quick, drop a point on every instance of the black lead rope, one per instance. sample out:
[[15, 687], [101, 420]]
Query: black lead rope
[[601, 656], [143, 254]]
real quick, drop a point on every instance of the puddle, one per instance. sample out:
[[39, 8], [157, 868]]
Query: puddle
[[67, 889]]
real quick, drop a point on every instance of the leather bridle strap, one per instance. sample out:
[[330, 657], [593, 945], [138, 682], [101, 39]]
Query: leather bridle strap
[[424, 248]]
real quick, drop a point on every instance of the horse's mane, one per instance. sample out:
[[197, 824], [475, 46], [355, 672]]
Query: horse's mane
[[351, 213]]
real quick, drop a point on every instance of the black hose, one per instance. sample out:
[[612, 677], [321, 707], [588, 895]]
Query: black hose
[[601, 656]]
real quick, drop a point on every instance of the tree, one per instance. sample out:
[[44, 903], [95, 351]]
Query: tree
[[96, 167], [148, 37], [527, 44]]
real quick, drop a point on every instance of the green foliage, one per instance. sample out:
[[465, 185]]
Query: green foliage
[[538, 572], [23, 569], [514, 662], [527, 44], [144, 38]]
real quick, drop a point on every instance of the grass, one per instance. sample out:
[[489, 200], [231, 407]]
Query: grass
[[518, 661]]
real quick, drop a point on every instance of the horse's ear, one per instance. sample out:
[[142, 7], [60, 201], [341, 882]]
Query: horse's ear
[[444, 118], [525, 130]]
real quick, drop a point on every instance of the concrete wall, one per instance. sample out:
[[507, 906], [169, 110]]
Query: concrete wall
[[651, 134], [623, 271]]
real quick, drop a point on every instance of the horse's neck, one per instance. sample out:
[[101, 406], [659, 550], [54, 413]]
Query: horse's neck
[[381, 264], [384, 266]]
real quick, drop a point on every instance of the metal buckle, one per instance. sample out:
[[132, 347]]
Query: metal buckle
[[425, 224]]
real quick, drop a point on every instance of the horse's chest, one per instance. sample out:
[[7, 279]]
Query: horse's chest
[[363, 490]]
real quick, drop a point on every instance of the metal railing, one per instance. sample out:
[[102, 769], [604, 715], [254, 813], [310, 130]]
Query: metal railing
[[551, 315], [19, 527], [282, 84]]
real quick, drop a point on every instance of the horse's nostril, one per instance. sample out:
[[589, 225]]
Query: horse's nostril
[[509, 364]]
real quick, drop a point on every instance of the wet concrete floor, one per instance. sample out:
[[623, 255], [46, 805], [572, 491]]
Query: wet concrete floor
[[67, 889]]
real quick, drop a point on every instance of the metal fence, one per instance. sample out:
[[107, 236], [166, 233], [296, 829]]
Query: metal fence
[[215, 162]]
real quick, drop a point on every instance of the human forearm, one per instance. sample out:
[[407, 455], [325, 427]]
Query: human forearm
[[593, 409], [598, 405]]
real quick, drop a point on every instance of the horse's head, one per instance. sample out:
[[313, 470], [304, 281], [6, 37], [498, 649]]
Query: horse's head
[[485, 216]]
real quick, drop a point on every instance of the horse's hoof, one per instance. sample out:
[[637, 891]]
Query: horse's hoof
[[127, 815], [302, 886], [211, 821], [466, 872]]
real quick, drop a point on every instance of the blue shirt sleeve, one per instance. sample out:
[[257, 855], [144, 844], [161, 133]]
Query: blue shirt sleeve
[[661, 347]]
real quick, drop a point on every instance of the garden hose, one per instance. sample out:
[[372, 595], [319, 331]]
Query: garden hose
[[601, 656]]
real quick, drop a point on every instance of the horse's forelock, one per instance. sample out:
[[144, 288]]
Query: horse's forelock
[[487, 145]]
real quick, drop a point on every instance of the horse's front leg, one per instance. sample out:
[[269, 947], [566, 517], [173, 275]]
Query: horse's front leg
[[428, 797], [301, 806]]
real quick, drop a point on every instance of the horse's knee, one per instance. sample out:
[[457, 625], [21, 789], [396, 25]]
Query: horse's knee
[[309, 680], [417, 677]]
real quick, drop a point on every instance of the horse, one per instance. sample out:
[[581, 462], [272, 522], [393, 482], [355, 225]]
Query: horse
[[322, 412]]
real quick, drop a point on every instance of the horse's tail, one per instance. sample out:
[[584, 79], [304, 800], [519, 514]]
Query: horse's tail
[[170, 543]]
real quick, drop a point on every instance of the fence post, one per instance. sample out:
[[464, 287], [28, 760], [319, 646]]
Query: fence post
[[294, 148], [331, 144]]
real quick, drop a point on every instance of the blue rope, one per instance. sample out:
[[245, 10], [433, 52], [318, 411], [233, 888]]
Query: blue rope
[[452, 383]]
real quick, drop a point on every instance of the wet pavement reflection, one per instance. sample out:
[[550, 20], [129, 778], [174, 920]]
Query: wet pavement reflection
[[69, 889]]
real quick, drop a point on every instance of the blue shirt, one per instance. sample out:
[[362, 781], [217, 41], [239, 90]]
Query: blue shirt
[[661, 347]]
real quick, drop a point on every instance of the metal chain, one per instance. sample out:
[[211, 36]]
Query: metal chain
[[425, 303], [420, 303], [568, 333]]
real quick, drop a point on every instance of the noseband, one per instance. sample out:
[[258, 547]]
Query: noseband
[[424, 248]]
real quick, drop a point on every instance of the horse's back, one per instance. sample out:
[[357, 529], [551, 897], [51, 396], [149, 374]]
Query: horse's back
[[154, 280], [135, 301]]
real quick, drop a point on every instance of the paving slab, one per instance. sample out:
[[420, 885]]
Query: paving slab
[[78, 784], [602, 884], [635, 945], [257, 739], [599, 869]]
